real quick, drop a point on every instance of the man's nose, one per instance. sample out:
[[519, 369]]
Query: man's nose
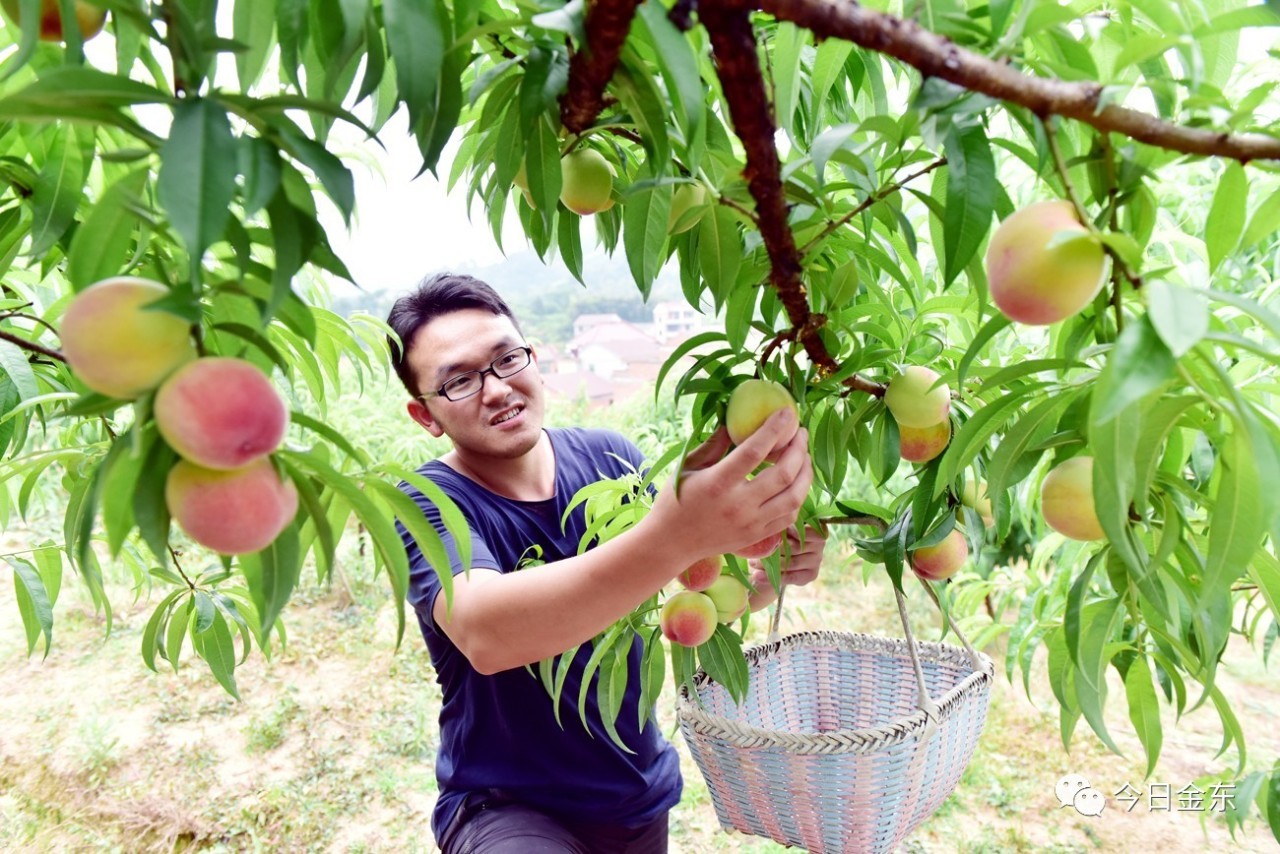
[[493, 387]]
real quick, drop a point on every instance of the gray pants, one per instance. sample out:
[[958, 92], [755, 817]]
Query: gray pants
[[500, 826]]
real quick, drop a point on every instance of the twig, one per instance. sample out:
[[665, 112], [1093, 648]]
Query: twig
[[739, 207], [32, 346], [874, 521], [936, 56], [875, 197]]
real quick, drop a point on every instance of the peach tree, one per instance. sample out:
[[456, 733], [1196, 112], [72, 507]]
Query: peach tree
[[1067, 213]]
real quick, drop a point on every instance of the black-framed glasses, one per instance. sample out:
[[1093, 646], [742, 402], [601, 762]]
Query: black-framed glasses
[[466, 384]]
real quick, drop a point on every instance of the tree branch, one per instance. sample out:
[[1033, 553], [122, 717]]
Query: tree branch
[[734, 48], [590, 69], [936, 56], [880, 194], [32, 346]]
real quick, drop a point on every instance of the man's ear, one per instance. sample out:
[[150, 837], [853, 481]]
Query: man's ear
[[418, 412]]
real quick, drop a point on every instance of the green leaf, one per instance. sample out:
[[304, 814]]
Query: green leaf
[[1265, 221], [179, 622], [216, 646], [722, 658], [13, 362], [1179, 315], [33, 604], [1226, 214], [720, 252], [1236, 522], [57, 193], [270, 575], [253, 25], [644, 233], [197, 179], [1144, 710], [416, 35], [103, 243], [1114, 446], [678, 64], [1139, 364], [1029, 431], [62, 91], [971, 196], [542, 161]]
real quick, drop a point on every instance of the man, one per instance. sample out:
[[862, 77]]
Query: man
[[512, 779]]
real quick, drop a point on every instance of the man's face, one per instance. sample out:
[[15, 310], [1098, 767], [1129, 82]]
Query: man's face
[[504, 419]]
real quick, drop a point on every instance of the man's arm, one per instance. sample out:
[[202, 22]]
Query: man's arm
[[501, 621]]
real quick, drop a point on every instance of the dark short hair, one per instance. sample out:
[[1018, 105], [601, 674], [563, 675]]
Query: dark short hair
[[434, 297]]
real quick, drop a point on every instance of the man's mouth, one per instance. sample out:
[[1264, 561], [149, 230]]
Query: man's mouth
[[506, 415]]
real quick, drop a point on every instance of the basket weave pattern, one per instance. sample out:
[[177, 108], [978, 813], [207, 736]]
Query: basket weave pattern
[[830, 750]]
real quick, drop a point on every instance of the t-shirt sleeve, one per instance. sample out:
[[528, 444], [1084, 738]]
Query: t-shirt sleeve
[[424, 582]]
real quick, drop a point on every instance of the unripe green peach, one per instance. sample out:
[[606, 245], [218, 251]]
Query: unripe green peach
[[220, 413], [761, 548], [89, 17], [975, 495], [232, 512], [751, 404], [921, 444], [1066, 500], [117, 346], [730, 597], [586, 181], [1034, 284], [688, 618], [702, 573], [936, 563], [685, 198], [913, 399]]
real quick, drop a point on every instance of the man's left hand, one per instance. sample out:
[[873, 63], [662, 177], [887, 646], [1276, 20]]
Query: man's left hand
[[800, 569]]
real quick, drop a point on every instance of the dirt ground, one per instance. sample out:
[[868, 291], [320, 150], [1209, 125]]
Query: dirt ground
[[332, 747]]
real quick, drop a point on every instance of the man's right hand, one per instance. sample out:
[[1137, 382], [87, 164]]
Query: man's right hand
[[720, 510]]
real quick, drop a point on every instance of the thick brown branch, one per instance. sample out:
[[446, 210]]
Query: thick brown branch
[[734, 47], [590, 69], [936, 56], [32, 346]]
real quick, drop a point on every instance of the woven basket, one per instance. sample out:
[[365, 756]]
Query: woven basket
[[845, 742]]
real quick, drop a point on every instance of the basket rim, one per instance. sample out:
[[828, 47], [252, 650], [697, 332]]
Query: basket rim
[[862, 740]]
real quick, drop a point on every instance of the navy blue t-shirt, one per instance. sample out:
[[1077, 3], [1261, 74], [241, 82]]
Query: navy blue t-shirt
[[499, 732]]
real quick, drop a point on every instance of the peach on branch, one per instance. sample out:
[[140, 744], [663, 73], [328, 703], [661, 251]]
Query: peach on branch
[[220, 413], [941, 561], [685, 198], [586, 181], [1066, 500], [89, 18], [688, 618], [914, 400], [232, 512], [921, 444], [1043, 265], [702, 573], [730, 597], [750, 405], [974, 494], [761, 548], [116, 345]]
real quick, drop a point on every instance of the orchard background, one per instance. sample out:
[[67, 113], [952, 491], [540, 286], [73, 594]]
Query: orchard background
[[851, 163]]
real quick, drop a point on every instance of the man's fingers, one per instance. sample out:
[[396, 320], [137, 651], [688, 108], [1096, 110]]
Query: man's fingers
[[709, 452], [777, 430]]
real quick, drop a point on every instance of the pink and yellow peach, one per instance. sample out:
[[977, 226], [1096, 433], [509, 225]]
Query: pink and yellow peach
[[921, 444], [914, 399], [939, 562], [232, 512], [221, 413], [688, 618], [730, 597], [702, 573], [1066, 500]]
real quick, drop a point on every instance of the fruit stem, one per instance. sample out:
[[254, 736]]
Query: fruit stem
[[178, 566]]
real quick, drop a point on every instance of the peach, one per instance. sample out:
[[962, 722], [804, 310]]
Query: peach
[[1033, 283], [686, 198], [730, 597], [921, 444], [688, 618], [762, 548], [1066, 500], [232, 512], [702, 573], [586, 181], [936, 563], [118, 347], [915, 401], [220, 413], [750, 405], [89, 17], [975, 495]]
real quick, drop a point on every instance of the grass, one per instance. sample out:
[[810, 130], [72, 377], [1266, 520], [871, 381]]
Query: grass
[[332, 747]]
